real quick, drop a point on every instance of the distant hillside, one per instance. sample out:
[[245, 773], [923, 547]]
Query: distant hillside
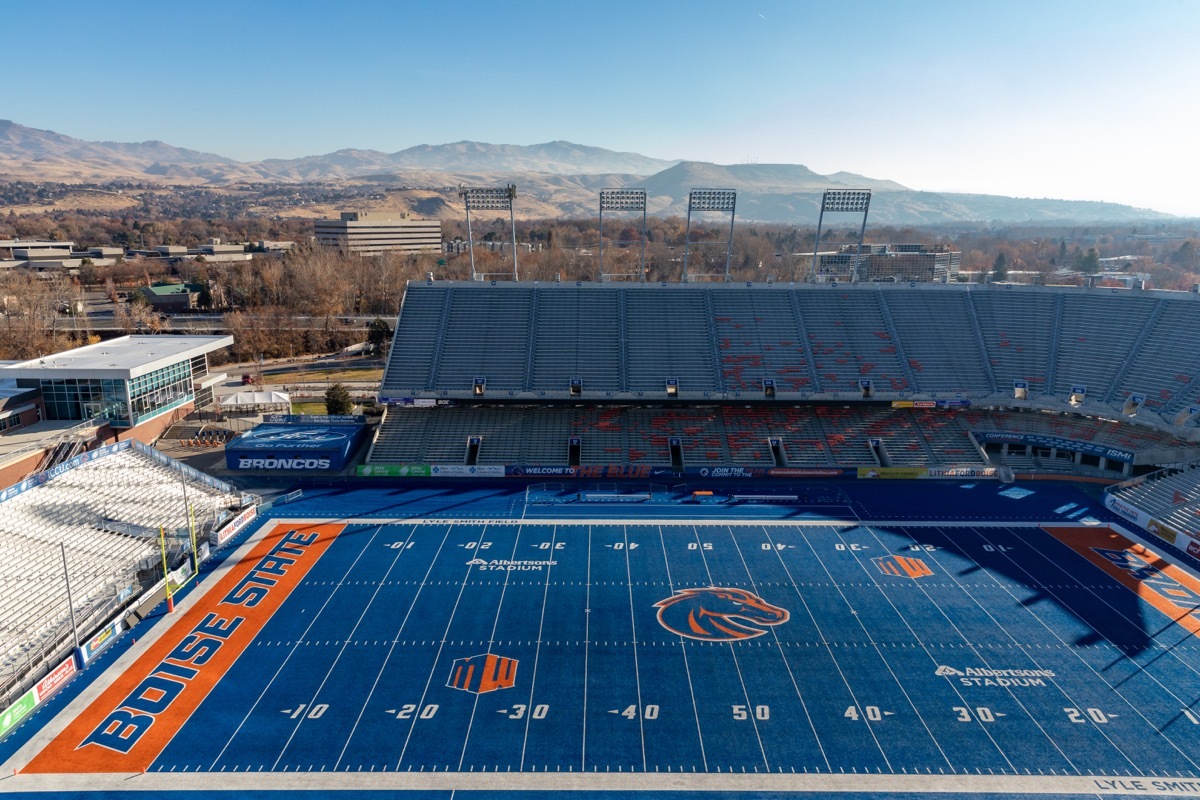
[[759, 178], [933, 208], [32, 154], [554, 179]]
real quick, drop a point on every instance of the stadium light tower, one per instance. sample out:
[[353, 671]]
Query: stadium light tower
[[722, 200], [622, 200], [852, 201], [493, 199]]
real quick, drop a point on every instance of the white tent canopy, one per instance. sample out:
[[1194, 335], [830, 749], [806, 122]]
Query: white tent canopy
[[257, 401]]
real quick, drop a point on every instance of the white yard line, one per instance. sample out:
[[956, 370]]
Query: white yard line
[[683, 649], [637, 676], [395, 639], [736, 665], [825, 641], [538, 649]]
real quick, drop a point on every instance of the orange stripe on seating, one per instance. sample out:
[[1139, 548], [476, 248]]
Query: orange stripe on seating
[[1168, 588], [202, 643]]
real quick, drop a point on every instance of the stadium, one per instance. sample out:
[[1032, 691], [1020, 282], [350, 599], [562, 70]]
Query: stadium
[[641, 539]]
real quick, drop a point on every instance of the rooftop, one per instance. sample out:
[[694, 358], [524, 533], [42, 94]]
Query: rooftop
[[125, 357], [165, 289]]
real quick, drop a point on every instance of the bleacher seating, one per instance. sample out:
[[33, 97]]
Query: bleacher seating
[[758, 339], [850, 341], [90, 509], [709, 435], [1170, 496], [669, 336], [1096, 339], [485, 334], [1161, 368], [942, 352], [803, 347], [1016, 328], [721, 341], [573, 338], [414, 347]]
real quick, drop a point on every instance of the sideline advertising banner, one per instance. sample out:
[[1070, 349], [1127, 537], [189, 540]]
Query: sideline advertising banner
[[1039, 440], [21, 708], [54, 681], [393, 470], [918, 473], [603, 471], [92, 647], [1188, 544], [234, 527]]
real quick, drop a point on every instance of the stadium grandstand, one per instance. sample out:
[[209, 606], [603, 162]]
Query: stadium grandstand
[[95, 521], [676, 377], [91, 517], [83, 541]]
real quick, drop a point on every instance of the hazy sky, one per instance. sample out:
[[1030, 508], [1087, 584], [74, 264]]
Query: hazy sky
[[1092, 100]]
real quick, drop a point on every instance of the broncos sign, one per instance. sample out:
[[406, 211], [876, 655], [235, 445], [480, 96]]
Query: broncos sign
[[717, 614]]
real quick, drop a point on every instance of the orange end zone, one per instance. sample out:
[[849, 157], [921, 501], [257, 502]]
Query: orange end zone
[[130, 723], [1168, 588]]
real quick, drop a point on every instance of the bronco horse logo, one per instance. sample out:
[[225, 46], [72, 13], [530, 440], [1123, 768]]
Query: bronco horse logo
[[718, 614]]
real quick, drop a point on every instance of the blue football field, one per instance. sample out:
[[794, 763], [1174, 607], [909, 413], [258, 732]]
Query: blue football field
[[836, 638]]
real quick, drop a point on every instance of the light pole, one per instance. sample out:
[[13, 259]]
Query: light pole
[[723, 200], [70, 601], [490, 200], [622, 200], [853, 201]]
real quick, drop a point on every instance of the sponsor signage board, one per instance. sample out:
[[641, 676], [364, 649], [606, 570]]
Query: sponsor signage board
[[466, 471], [1123, 509], [1039, 440], [92, 647], [283, 464], [592, 471], [292, 437], [54, 681], [917, 473], [233, 527], [393, 471], [21, 708], [315, 419], [292, 447], [1188, 544]]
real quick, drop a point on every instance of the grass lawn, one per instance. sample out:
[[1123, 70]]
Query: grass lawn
[[321, 376], [317, 407]]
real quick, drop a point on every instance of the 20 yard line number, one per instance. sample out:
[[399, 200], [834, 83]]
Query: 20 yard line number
[[409, 711]]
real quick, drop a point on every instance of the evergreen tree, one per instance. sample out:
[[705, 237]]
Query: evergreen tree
[[205, 299], [379, 333], [1090, 262], [337, 400], [1000, 268]]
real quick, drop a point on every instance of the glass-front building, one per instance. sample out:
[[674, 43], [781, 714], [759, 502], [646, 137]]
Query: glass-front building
[[86, 398], [126, 381], [161, 390]]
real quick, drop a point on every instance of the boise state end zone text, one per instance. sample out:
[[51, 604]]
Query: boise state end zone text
[[126, 725]]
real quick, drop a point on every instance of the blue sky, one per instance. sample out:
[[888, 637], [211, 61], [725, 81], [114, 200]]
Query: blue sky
[[1078, 100]]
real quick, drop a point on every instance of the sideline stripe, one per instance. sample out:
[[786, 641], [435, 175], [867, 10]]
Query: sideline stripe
[[1152, 578], [129, 724]]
